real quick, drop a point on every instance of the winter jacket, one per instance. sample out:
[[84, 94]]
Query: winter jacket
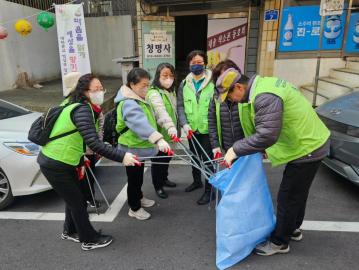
[[82, 118], [136, 120], [268, 123], [230, 125]]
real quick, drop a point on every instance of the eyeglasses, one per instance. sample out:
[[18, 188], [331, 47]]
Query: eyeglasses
[[98, 90]]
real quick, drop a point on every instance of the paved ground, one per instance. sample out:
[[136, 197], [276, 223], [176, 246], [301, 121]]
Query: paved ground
[[180, 235], [51, 94]]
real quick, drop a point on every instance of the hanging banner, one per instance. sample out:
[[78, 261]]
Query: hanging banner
[[72, 39], [158, 44], [300, 30], [227, 40]]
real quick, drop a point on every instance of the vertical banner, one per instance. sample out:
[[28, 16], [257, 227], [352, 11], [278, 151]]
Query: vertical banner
[[352, 41], [227, 40], [158, 44], [72, 39]]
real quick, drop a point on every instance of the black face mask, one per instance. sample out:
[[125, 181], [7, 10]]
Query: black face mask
[[197, 69]]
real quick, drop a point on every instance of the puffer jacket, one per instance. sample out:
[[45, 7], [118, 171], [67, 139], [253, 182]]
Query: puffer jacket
[[230, 125], [82, 118]]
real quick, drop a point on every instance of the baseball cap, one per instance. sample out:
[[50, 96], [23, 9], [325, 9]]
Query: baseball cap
[[226, 81]]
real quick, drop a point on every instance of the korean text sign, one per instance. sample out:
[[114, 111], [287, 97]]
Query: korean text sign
[[72, 39], [300, 30]]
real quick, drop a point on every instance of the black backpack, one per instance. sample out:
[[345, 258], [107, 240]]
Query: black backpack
[[110, 134], [40, 130]]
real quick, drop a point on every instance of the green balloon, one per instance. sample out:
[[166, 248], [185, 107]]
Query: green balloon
[[46, 20]]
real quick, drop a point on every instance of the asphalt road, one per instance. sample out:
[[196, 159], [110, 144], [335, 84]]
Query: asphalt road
[[180, 234]]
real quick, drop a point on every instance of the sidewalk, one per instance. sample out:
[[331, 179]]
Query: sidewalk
[[50, 95]]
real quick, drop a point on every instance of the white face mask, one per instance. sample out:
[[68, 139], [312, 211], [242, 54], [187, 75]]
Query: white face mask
[[97, 97], [166, 83]]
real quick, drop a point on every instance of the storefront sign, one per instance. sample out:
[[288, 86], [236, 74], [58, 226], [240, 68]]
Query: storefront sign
[[271, 15], [158, 44], [72, 39], [227, 40], [300, 30], [352, 41]]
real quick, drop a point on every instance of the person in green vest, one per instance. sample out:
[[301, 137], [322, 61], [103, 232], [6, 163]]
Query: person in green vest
[[60, 158], [137, 125], [70, 81], [162, 98], [193, 99], [278, 120]]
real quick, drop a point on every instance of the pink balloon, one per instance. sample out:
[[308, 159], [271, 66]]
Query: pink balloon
[[3, 32]]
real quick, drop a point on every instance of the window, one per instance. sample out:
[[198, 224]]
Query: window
[[7, 110]]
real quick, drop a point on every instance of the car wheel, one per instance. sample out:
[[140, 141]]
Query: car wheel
[[6, 197]]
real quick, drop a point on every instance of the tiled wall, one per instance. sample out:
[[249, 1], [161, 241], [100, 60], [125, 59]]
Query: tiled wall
[[268, 40]]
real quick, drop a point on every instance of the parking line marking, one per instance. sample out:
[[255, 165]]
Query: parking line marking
[[108, 216], [330, 226]]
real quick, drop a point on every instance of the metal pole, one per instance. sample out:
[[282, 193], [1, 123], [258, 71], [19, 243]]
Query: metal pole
[[93, 197], [99, 188], [318, 62]]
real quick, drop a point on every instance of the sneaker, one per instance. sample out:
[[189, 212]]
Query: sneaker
[[268, 248], [297, 235], [100, 242], [93, 204], [74, 237], [147, 202], [140, 214]]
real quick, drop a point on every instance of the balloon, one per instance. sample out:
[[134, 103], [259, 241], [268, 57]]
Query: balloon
[[46, 20], [23, 27], [3, 32]]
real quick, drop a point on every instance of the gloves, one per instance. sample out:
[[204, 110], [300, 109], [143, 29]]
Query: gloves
[[217, 153], [164, 147], [130, 160], [173, 134], [229, 157], [188, 131]]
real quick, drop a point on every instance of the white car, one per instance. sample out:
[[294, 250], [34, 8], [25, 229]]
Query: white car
[[19, 172]]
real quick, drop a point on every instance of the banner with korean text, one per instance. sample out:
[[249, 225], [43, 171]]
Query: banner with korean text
[[227, 40], [72, 39]]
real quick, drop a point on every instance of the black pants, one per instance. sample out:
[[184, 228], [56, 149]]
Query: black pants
[[159, 172], [134, 186], [203, 139], [292, 199], [84, 184], [66, 184]]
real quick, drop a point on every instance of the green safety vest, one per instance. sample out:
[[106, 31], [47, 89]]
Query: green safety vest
[[68, 149], [302, 130], [169, 108], [196, 111], [218, 120], [130, 138]]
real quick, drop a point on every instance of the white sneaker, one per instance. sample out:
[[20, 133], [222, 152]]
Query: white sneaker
[[147, 202], [140, 214]]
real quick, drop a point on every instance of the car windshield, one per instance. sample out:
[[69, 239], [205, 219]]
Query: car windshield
[[8, 110]]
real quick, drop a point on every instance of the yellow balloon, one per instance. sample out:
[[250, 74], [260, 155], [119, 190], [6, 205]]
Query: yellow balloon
[[23, 27]]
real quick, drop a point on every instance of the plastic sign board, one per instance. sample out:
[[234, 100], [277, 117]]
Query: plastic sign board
[[331, 7], [271, 15], [352, 41]]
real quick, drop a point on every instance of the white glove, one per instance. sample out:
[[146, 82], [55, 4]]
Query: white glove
[[130, 160], [163, 146], [217, 153], [188, 131], [172, 132], [229, 157]]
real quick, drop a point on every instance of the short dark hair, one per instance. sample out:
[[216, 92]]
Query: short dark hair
[[83, 85], [194, 53], [156, 80], [136, 75]]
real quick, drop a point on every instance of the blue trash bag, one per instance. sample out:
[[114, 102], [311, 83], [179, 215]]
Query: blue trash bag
[[244, 215]]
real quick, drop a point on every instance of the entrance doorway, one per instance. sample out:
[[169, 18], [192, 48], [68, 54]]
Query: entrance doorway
[[191, 34]]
